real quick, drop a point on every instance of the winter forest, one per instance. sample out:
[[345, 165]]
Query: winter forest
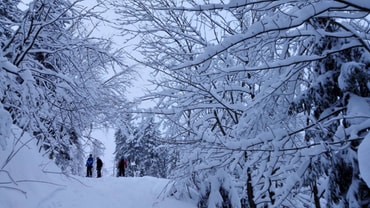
[[255, 103]]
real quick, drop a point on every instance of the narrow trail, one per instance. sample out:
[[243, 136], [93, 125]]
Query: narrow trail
[[112, 192]]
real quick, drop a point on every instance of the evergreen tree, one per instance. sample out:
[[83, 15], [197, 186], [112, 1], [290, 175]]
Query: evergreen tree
[[333, 82], [123, 136], [141, 147], [150, 156]]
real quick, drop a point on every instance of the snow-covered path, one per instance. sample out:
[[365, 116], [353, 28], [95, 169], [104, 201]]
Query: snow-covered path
[[29, 180], [111, 192]]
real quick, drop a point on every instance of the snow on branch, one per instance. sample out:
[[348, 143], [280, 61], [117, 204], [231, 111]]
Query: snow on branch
[[272, 24]]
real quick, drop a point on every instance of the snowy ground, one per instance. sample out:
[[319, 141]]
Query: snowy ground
[[31, 181], [108, 192], [111, 192]]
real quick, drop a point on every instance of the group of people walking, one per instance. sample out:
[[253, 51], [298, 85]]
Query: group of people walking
[[90, 164], [122, 164]]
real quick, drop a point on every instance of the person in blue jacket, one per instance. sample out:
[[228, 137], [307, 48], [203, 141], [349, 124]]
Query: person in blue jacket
[[89, 166]]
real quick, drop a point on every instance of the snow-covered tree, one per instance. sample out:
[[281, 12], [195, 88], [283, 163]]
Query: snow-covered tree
[[259, 98], [57, 87]]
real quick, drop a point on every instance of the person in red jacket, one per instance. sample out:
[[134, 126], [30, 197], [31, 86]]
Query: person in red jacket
[[122, 164], [99, 165]]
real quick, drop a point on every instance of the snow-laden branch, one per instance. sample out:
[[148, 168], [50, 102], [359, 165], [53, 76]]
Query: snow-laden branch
[[233, 4], [8, 67], [360, 4], [296, 19]]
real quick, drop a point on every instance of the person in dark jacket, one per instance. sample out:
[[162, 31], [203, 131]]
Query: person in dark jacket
[[89, 166], [99, 165]]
